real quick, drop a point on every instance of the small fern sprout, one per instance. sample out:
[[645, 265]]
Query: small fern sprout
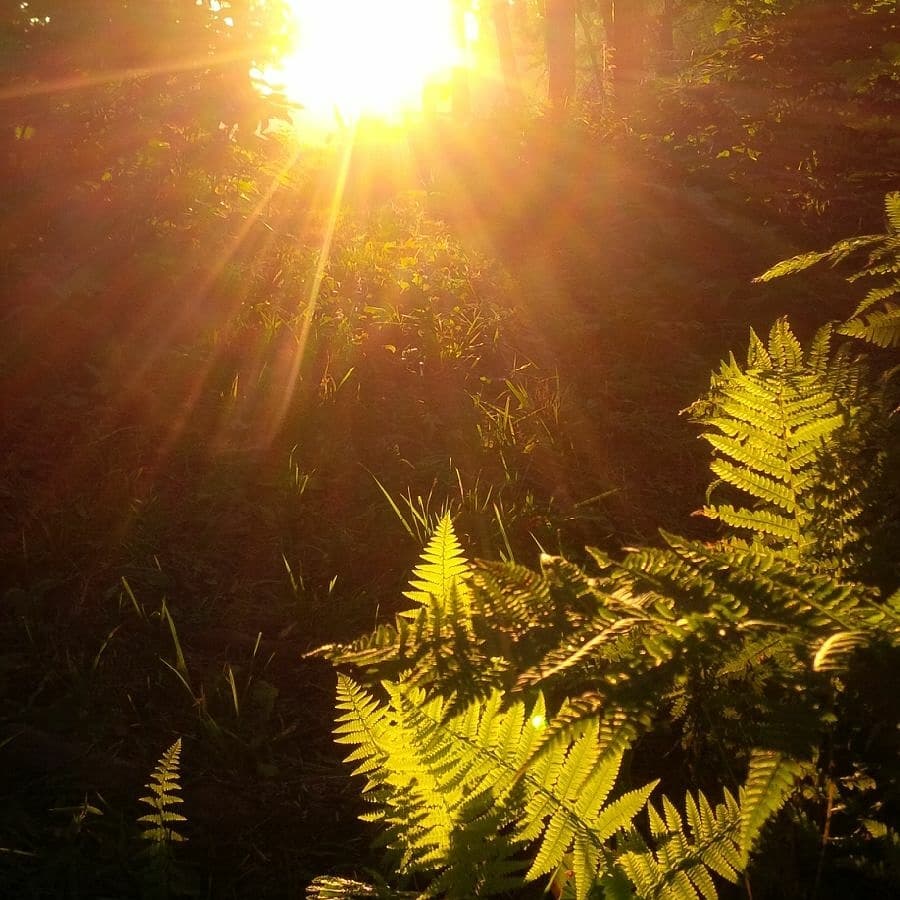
[[157, 826]]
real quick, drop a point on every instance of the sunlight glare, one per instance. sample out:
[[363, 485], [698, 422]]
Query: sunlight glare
[[358, 58]]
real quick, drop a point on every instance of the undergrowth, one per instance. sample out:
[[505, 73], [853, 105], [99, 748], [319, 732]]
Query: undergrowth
[[213, 436], [491, 720]]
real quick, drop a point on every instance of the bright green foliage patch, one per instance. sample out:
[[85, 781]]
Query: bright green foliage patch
[[685, 857], [737, 650], [439, 580], [778, 425], [446, 787]]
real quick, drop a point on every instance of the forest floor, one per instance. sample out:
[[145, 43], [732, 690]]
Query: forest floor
[[631, 282], [636, 279]]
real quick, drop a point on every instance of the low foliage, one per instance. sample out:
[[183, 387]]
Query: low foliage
[[876, 319], [780, 98], [742, 651], [158, 827]]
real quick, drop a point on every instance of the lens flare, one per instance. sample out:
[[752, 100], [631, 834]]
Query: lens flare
[[359, 58]]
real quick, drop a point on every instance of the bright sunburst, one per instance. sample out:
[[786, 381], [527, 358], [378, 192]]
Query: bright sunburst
[[358, 57]]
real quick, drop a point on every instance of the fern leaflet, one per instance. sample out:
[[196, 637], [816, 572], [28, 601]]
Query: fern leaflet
[[158, 825]]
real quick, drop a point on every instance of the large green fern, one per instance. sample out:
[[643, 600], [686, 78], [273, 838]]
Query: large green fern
[[790, 433], [480, 795], [739, 650], [462, 797], [677, 862], [465, 799], [876, 319]]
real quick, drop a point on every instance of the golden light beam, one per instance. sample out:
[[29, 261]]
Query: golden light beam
[[79, 82], [321, 265], [189, 402]]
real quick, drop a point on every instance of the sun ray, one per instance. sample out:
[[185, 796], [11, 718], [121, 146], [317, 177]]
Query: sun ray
[[182, 415], [82, 81], [316, 284]]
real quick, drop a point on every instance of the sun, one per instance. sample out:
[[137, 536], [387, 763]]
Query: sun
[[360, 58]]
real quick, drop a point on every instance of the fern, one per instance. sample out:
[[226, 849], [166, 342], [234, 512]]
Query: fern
[[440, 578], [710, 631], [685, 858], [481, 797], [726, 647], [789, 434], [876, 319], [681, 858], [158, 825], [831, 654], [329, 887], [433, 643], [462, 797], [835, 254], [163, 877], [848, 473], [770, 779]]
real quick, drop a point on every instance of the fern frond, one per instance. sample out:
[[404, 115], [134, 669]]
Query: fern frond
[[382, 645], [478, 775], [685, 858], [442, 572], [158, 825], [331, 887], [784, 348], [362, 722], [512, 598], [433, 644], [566, 813], [879, 328], [579, 649], [743, 660], [770, 779], [789, 435], [892, 211], [833, 651], [760, 522], [564, 792], [834, 254], [876, 295], [758, 484], [820, 350]]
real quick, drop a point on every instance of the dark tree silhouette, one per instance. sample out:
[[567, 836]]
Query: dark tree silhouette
[[561, 51]]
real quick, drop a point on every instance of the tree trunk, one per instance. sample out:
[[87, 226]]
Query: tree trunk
[[597, 69], [506, 50], [561, 51], [626, 22], [667, 36]]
